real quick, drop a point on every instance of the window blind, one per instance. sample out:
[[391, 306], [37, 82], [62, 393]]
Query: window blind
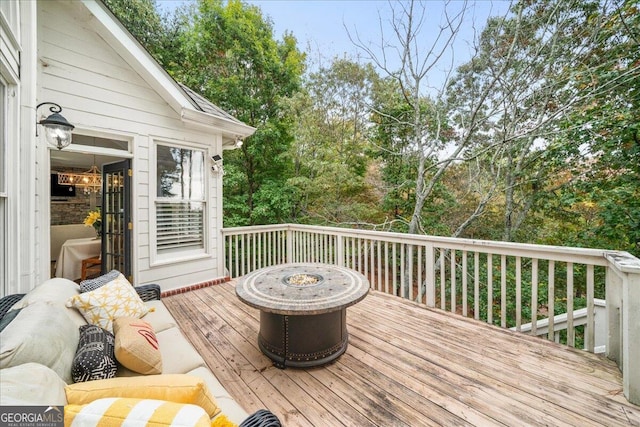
[[180, 225]]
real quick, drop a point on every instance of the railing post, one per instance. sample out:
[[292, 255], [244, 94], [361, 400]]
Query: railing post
[[289, 254], [623, 346]]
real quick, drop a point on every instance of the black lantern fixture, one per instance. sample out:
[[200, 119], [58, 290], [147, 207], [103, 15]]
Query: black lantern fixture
[[57, 128]]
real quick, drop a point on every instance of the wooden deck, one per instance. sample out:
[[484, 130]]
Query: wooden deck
[[406, 365]]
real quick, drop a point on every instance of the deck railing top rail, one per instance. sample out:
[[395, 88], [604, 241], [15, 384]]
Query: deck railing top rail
[[558, 253]]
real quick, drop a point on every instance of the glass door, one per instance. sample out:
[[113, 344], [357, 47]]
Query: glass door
[[116, 217]]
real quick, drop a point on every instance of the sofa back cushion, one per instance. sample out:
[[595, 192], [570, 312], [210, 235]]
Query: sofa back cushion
[[31, 384], [56, 290], [41, 333]]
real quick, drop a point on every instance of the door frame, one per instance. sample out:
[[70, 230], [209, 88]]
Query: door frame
[[43, 186], [123, 166]]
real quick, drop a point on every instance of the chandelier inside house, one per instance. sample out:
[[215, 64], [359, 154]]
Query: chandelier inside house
[[90, 181]]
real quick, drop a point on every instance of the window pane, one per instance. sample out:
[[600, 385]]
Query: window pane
[[3, 138], [180, 173], [94, 141], [180, 226]]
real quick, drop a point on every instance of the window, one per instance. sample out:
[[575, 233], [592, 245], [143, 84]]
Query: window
[[180, 200]]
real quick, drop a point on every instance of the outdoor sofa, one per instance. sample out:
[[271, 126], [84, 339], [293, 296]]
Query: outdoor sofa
[[46, 343]]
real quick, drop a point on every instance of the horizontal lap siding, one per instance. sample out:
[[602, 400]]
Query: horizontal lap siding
[[100, 92]]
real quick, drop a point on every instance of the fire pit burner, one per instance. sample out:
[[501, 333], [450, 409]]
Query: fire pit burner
[[303, 279], [303, 310]]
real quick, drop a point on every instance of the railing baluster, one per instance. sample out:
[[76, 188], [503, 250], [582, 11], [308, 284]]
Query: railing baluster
[[476, 285], [395, 266], [503, 291], [410, 269], [240, 259], [518, 293], [443, 290], [365, 258], [534, 297], [379, 262], [419, 274], [551, 300], [254, 257], [571, 332], [490, 288], [403, 269], [359, 248], [353, 253], [590, 327], [464, 284], [453, 280], [386, 267]]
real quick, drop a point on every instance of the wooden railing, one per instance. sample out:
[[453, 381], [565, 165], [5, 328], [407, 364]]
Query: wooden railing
[[580, 318], [507, 284]]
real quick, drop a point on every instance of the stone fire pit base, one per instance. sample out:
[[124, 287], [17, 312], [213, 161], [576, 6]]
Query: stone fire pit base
[[302, 341]]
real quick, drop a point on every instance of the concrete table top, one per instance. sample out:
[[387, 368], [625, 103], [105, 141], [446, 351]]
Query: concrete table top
[[267, 290]]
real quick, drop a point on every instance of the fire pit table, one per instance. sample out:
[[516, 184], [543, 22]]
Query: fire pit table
[[303, 310]]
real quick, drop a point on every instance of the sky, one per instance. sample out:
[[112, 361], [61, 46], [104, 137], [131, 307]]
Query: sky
[[322, 27]]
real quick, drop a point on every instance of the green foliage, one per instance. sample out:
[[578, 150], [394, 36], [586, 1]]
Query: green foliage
[[329, 153], [231, 57]]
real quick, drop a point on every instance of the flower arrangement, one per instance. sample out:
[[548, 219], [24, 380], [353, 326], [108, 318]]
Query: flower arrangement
[[94, 219]]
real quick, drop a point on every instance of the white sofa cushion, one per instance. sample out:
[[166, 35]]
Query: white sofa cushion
[[178, 355], [31, 384], [158, 316], [42, 333], [56, 290]]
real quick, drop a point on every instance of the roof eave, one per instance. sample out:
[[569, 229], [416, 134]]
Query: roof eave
[[231, 129]]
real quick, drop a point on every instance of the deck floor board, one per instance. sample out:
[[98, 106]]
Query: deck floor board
[[406, 365]]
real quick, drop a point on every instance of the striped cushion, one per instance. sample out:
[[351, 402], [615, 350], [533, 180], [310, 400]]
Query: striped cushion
[[135, 412]]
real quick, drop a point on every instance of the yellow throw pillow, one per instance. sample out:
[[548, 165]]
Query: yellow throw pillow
[[143, 412], [222, 421], [136, 346], [115, 299], [179, 388]]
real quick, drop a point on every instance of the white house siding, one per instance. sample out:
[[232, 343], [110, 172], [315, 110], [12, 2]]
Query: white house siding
[[102, 94]]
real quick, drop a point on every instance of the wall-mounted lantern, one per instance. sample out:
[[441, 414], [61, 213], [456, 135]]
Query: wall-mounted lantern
[[57, 129]]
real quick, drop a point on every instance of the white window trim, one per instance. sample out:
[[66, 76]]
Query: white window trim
[[156, 259], [9, 116]]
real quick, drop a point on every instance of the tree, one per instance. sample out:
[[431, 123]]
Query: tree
[[602, 137], [153, 31], [331, 135], [231, 57], [422, 120]]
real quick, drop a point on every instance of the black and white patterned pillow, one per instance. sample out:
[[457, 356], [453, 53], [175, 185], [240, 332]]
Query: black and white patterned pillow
[[93, 284], [95, 357]]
